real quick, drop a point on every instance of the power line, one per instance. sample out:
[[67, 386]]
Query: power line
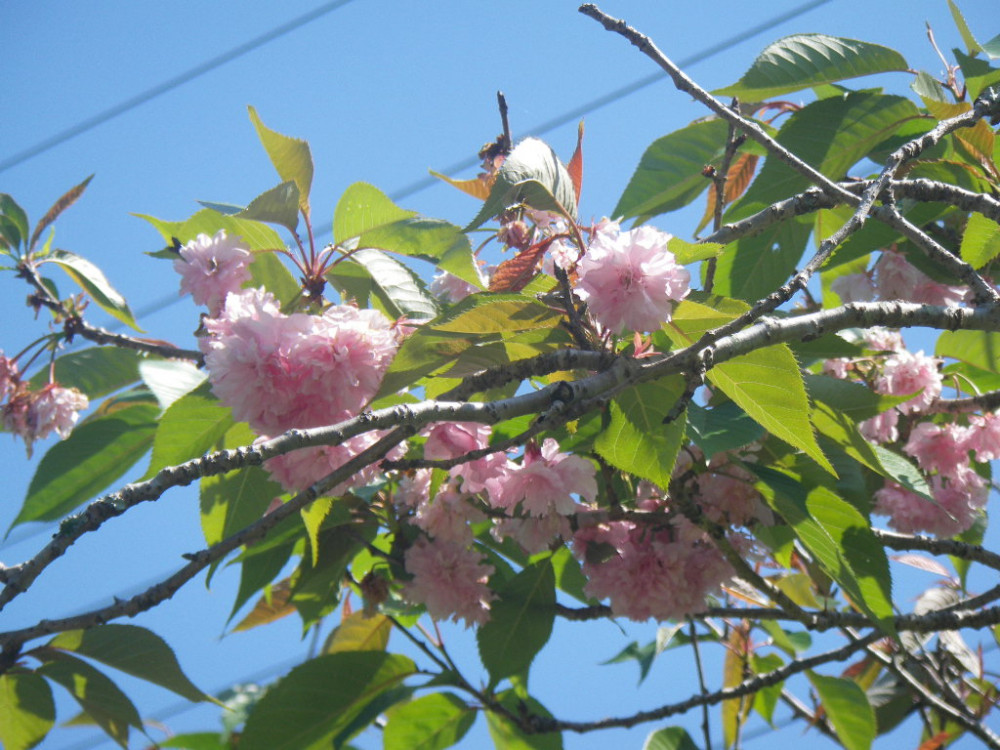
[[168, 85]]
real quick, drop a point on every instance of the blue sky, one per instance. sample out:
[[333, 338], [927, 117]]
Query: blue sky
[[383, 91]]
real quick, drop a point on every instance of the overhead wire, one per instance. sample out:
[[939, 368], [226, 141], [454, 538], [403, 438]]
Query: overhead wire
[[397, 195], [162, 88]]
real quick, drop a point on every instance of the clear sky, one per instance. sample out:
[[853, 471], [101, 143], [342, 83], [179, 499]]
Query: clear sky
[[383, 91]]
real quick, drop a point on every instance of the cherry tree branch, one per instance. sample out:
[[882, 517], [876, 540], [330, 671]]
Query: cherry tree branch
[[76, 326]]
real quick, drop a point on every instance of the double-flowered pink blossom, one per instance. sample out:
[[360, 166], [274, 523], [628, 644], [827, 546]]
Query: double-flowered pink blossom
[[661, 571], [630, 280], [546, 482], [907, 373], [958, 500], [941, 448], [450, 579], [896, 278], [34, 415], [280, 371], [212, 267]]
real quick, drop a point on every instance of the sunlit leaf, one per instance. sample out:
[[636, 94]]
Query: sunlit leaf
[[669, 738], [533, 175], [290, 156], [269, 608], [134, 650], [981, 241], [507, 736], [316, 699], [96, 371], [432, 722], [93, 281], [170, 379], [95, 454], [978, 348], [279, 205], [16, 220], [752, 267], [636, 440], [256, 235], [803, 60], [848, 708], [188, 429], [431, 240], [364, 207], [401, 290], [520, 621], [97, 695], [475, 187], [27, 711], [360, 632]]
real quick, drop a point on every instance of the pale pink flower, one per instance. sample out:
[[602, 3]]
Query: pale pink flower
[[302, 468], [454, 439], [212, 267], [882, 428], [854, 287], [958, 501], [488, 473], [884, 339], [450, 288], [643, 572], [280, 371], [413, 489], [546, 481], [34, 415], [561, 254], [448, 516], [533, 534], [838, 367], [906, 373], [450, 580], [727, 495], [984, 436], [942, 448], [896, 278], [9, 376], [631, 280]]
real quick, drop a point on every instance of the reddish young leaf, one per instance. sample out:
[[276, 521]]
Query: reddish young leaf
[[575, 166], [67, 200], [475, 187], [514, 274], [741, 172]]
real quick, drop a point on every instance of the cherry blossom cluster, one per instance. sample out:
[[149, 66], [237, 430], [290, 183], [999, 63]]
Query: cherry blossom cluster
[[940, 444], [212, 267], [36, 414], [892, 277]]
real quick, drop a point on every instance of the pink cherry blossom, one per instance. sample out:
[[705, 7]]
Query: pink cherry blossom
[[664, 574], [906, 373], [450, 580], [854, 287], [984, 436], [942, 448], [884, 339], [727, 495], [212, 267], [448, 515], [450, 288], [896, 278], [280, 371], [546, 481], [882, 428], [958, 500], [533, 534], [454, 439], [630, 280], [302, 468], [34, 415]]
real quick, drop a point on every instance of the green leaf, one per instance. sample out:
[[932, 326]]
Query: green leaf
[[766, 699], [308, 706], [831, 135], [766, 383], [317, 588], [190, 428], [669, 174], [636, 440], [196, 741], [981, 241], [507, 736], [431, 240], [978, 73], [16, 231], [170, 379], [27, 712], [848, 708], [230, 502], [290, 156], [963, 29], [399, 289], [520, 621], [687, 253], [803, 60], [97, 695], [752, 267], [533, 175], [669, 738], [259, 570], [978, 348], [135, 651], [642, 655], [928, 88], [359, 632], [721, 428], [95, 372], [363, 207], [94, 455], [255, 235], [790, 642], [279, 205], [838, 536], [433, 722], [93, 281]]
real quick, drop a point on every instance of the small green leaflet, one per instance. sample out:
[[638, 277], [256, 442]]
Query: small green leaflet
[[848, 708], [93, 281], [431, 722], [291, 157], [27, 711]]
